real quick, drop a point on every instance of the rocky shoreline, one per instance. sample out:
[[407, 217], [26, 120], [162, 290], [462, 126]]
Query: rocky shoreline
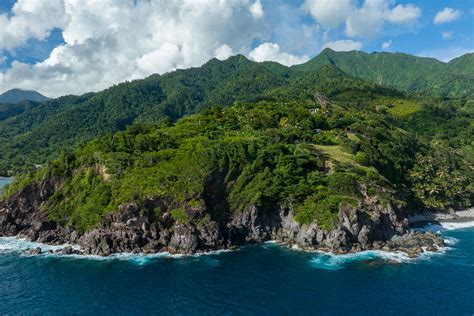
[[371, 225]]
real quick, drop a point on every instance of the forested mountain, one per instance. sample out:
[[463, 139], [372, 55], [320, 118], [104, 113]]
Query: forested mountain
[[8, 110], [313, 172], [17, 95], [235, 152], [31, 133], [33, 136], [463, 65], [271, 169], [402, 71]]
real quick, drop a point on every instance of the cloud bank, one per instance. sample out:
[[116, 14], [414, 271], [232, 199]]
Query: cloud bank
[[361, 20], [108, 41]]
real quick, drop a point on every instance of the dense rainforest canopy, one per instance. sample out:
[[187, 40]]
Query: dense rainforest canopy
[[31, 133], [315, 155]]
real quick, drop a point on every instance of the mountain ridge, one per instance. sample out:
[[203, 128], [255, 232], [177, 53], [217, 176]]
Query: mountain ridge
[[157, 97], [402, 71], [29, 137]]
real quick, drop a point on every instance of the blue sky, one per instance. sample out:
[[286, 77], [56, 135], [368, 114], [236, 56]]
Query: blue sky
[[69, 46], [423, 37]]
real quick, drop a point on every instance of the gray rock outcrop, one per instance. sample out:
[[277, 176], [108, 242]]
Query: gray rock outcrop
[[369, 225]]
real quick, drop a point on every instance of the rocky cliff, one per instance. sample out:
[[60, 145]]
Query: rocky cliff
[[370, 225]]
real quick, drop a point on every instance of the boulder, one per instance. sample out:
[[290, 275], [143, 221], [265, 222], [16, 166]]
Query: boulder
[[36, 251]]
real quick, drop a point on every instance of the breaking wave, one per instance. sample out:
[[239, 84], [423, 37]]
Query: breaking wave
[[329, 261], [20, 246]]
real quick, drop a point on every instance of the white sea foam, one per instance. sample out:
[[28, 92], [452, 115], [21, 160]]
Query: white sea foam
[[457, 225], [450, 240], [271, 242], [328, 261], [430, 227], [13, 244], [443, 226], [430, 254], [20, 245], [142, 259], [322, 260]]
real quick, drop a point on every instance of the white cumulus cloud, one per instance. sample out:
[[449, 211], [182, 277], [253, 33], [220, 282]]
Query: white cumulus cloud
[[31, 19], [223, 52], [369, 19], [256, 9], [344, 45], [160, 60], [329, 13], [404, 14], [271, 52], [447, 15], [111, 41], [386, 45], [361, 18]]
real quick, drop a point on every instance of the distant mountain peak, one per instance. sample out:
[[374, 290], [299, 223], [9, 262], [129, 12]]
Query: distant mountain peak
[[19, 95], [327, 50], [463, 64]]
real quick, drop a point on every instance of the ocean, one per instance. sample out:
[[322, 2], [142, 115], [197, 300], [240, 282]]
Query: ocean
[[4, 181], [266, 279]]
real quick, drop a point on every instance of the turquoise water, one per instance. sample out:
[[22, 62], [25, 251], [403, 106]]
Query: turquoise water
[[264, 280], [3, 182]]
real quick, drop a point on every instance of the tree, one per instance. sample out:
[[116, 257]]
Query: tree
[[440, 179]]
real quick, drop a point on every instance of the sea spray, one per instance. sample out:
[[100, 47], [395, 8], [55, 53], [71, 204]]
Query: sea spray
[[14, 245], [328, 261], [457, 225]]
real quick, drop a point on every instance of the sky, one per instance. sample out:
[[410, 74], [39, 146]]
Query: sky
[[60, 47]]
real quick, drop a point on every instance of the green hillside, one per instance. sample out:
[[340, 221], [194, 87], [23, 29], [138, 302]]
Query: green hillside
[[33, 133], [8, 110], [463, 65], [316, 156], [402, 71], [33, 136]]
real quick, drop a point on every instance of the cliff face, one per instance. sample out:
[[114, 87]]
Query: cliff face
[[370, 225]]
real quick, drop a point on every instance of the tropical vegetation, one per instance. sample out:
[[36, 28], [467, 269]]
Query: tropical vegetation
[[235, 133]]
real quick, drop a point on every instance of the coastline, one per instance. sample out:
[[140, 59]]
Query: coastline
[[458, 217], [135, 230], [26, 248], [443, 221], [440, 221]]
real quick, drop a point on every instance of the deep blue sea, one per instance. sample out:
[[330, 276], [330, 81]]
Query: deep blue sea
[[255, 280]]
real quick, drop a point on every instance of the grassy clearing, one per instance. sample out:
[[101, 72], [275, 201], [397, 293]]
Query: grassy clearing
[[404, 108], [337, 153]]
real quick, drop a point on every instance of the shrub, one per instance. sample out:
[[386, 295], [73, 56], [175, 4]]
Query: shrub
[[179, 215]]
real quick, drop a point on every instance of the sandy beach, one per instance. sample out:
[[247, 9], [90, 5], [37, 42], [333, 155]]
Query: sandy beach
[[455, 217]]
